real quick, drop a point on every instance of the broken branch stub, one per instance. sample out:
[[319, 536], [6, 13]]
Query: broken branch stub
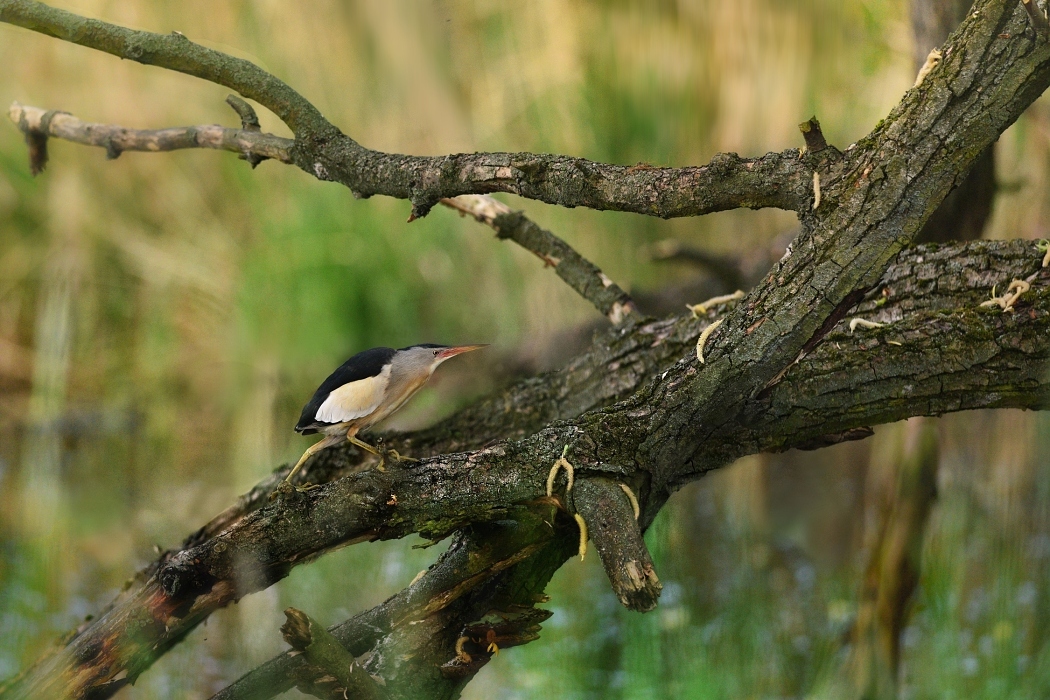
[[618, 539], [331, 670]]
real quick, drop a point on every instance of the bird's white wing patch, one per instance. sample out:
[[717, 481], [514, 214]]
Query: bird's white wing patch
[[354, 400]]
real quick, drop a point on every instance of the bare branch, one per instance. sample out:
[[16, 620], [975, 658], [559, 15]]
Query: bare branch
[[727, 182], [813, 136], [578, 272], [117, 139], [172, 51], [254, 146]]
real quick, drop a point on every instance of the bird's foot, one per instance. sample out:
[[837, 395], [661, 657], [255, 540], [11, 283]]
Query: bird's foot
[[570, 473], [287, 488], [389, 452]]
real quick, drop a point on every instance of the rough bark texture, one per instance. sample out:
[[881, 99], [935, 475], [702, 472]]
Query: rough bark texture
[[782, 370], [964, 212], [901, 492]]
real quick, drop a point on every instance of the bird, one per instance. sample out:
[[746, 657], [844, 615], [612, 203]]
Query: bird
[[367, 388]]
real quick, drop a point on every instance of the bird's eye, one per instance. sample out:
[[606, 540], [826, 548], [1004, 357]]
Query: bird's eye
[[436, 353]]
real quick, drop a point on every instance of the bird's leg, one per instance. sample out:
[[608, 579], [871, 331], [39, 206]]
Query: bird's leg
[[316, 447], [363, 445], [395, 454], [385, 452]]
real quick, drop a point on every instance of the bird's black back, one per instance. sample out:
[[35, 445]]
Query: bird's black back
[[363, 365]]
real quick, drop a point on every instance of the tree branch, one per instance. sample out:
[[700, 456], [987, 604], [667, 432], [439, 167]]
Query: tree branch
[[578, 272], [727, 182], [611, 522], [174, 52], [334, 672], [117, 139], [780, 372]]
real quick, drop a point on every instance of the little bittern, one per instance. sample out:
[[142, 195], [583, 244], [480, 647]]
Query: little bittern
[[366, 389]]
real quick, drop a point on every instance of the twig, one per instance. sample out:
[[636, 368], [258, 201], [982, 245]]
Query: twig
[[249, 122], [578, 272], [117, 139], [254, 146]]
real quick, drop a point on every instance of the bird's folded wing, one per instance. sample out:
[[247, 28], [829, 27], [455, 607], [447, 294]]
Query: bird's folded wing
[[354, 399]]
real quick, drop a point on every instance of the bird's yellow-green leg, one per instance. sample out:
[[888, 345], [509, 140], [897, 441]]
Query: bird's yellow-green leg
[[570, 473], [380, 452], [401, 458], [363, 445], [316, 447]]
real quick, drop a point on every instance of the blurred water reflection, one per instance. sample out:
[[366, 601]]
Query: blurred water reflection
[[162, 318]]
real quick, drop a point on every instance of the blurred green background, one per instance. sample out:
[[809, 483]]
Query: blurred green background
[[164, 317]]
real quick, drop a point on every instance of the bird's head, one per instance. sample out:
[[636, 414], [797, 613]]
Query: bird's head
[[429, 356]]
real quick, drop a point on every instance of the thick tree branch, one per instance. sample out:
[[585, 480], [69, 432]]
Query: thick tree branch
[[911, 287], [727, 182], [500, 566], [333, 673], [610, 518], [815, 397]]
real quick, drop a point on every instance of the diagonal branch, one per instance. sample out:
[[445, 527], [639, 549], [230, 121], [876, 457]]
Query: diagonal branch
[[913, 302], [727, 182], [578, 272], [174, 52]]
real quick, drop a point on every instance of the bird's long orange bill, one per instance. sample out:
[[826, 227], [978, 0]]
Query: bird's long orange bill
[[459, 350]]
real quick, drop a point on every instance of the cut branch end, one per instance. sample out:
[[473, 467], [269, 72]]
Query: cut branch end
[[613, 529]]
